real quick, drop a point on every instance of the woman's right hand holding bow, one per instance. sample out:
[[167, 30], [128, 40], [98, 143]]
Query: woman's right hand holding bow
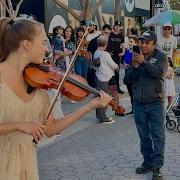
[[36, 129]]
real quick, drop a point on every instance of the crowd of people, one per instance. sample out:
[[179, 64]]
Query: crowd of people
[[64, 42], [148, 77], [99, 58]]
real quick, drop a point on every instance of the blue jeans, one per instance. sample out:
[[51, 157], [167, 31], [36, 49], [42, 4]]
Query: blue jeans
[[149, 120], [81, 66]]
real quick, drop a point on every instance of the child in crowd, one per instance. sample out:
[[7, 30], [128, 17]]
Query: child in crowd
[[169, 82], [133, 40], [104, 74]]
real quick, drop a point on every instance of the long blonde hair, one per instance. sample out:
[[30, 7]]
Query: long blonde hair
[[13, 31]]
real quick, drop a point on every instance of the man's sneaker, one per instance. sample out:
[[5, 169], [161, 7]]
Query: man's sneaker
[[157, 174], [144, 168], [109, 120], [129, 113]]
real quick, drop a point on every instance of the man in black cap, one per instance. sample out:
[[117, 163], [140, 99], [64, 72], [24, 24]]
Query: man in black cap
[[146, 74], [83, 24], [116, 48]]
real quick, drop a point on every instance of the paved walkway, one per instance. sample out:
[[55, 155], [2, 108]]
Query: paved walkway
[[91, 151], [106, 152]]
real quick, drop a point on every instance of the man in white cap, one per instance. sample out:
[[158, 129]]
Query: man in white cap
[[92, 31], [167, 42]]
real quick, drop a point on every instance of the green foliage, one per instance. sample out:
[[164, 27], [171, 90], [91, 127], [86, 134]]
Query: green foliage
[[175, 4]]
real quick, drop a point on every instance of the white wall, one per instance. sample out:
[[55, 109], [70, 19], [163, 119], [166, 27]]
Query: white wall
[[142, 4]]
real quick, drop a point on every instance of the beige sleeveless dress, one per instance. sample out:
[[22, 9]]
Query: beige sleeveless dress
[[18, 159]]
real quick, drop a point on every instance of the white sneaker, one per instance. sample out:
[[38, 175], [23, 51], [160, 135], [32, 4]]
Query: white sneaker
[[73, 102], [110, 120]]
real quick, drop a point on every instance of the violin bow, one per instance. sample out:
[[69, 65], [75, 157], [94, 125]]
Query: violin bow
[[64, 77]]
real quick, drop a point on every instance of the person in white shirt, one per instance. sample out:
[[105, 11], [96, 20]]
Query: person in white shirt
[[104, 75], [167, 42], [169, 83], [106, 70], [92, 31]]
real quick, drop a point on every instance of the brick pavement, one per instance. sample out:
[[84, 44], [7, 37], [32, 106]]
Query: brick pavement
[[106, 152], [102, 152]]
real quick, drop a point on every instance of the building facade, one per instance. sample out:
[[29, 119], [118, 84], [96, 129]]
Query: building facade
[[133, 12]]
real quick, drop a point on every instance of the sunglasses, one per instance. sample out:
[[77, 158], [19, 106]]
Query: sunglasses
[[167, 29]]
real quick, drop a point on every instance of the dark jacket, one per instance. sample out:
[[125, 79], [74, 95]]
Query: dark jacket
[[147, 80], [92, 47]]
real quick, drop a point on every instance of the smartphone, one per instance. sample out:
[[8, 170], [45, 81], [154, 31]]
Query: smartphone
[[136, 49]]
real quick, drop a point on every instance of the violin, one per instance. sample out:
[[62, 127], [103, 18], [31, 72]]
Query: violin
[[74, 87]]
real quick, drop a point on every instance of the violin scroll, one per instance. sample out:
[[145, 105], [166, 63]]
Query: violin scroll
[[119, 110]]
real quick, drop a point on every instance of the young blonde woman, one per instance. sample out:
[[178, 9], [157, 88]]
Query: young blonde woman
[[23, 41]]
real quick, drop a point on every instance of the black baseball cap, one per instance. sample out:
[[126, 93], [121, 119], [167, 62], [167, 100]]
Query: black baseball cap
[[117, 23], [83, 23], [149, 36], [87, 22]]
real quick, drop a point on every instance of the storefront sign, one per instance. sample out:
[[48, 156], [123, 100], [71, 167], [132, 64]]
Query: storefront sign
[[159, 4]]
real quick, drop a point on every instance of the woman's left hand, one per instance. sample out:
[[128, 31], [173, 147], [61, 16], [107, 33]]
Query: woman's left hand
[[101, 101]]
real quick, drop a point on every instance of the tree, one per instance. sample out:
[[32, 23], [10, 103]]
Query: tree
[[9, 8], [117, 12], [175, 4], [87, 9]]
